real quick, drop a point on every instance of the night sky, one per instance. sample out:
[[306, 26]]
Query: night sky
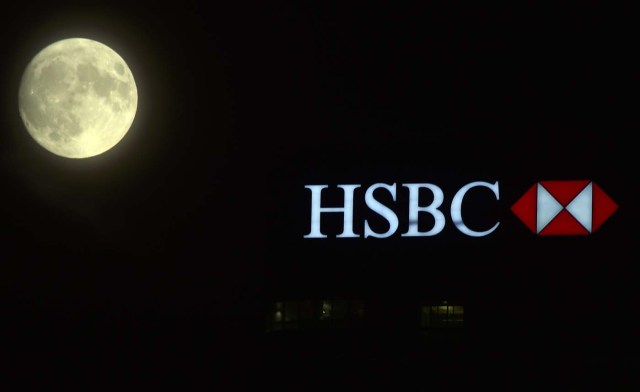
[[151, 263]]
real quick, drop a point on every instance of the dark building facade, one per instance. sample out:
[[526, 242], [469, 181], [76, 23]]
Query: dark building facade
[[512, 309]]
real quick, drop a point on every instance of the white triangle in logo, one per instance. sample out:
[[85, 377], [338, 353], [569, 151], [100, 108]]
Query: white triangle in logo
[[580, 207], [547, 208]]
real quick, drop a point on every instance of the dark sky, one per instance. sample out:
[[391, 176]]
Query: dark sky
[[172, 240]]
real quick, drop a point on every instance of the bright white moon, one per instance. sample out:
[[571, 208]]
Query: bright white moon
[[77, 98]]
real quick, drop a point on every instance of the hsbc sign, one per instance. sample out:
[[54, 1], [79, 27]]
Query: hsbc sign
[[548, 208]]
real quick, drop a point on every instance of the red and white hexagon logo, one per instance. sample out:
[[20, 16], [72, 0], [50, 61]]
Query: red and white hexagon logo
[[576, 207]]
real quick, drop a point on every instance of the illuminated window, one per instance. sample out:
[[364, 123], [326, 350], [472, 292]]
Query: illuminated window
[[274, 318], [325, 312], [442, 316]]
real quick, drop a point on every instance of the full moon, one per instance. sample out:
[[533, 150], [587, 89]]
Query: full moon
[[77, 98]]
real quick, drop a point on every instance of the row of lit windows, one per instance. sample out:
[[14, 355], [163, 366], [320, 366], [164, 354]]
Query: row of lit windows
[[295, 314], [435, 316]]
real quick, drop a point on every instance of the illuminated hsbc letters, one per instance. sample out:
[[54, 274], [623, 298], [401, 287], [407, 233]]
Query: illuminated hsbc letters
[[434, 209], [548, 208]]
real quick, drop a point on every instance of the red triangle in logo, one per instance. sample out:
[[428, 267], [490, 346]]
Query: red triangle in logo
[[603, 207], [525, 208], [565, 191], [564, 224]]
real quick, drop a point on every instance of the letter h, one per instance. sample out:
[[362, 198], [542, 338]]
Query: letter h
[[346, 210]]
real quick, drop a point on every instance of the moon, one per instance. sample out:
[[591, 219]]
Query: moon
[[77, 98]]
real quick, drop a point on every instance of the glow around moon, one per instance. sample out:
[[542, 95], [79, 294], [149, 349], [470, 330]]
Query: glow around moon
[[77, 98]]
